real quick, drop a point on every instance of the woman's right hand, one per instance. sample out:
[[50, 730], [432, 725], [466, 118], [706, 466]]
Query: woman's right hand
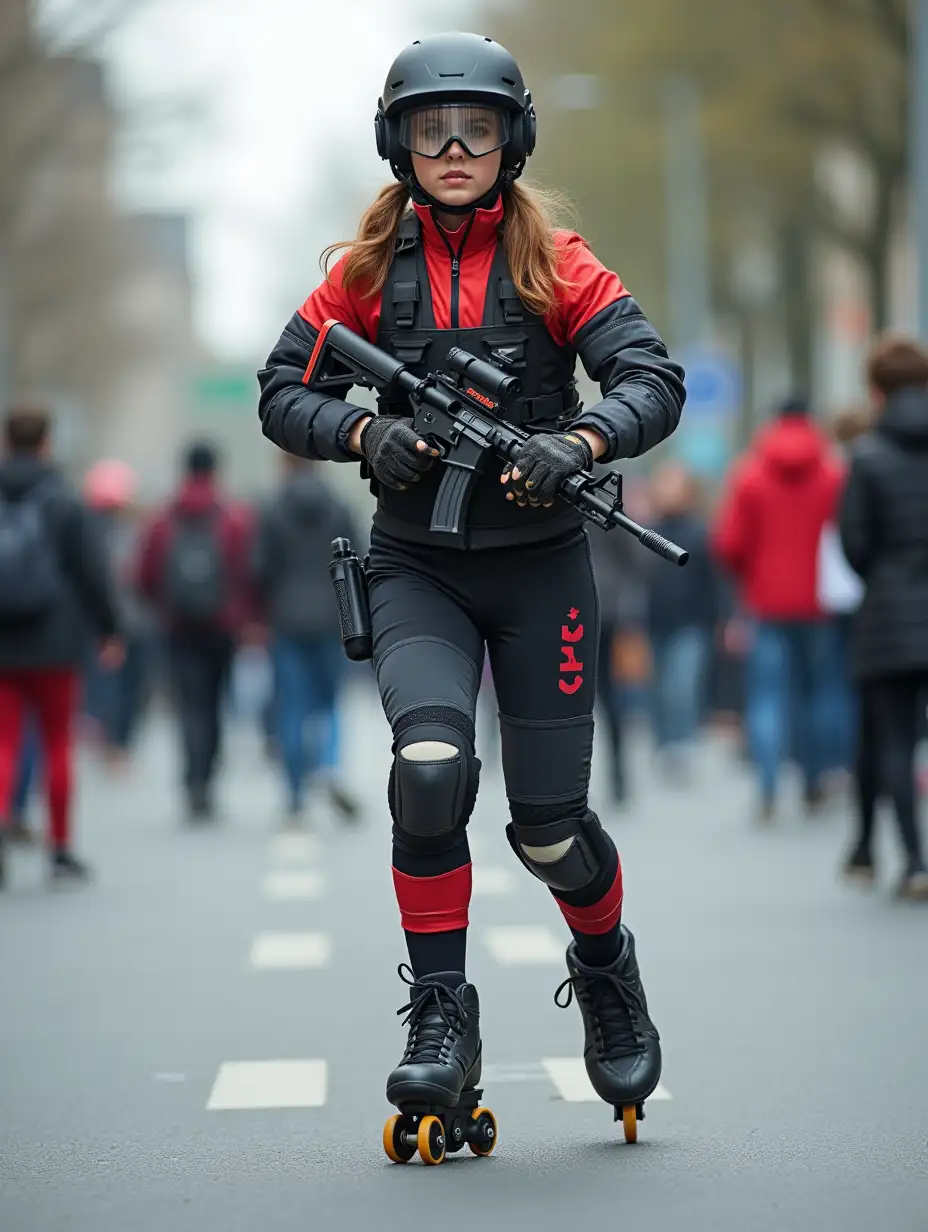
[[395, 452]]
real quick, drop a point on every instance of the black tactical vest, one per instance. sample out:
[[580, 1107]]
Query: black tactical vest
[[549, 393]]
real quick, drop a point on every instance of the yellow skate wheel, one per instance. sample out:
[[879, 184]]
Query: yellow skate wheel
[[484, 1132], [394, 1142], [431, 1140], [630, 1122]]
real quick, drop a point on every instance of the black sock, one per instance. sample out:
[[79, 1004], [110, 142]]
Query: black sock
[[431, 952], [599, 950]]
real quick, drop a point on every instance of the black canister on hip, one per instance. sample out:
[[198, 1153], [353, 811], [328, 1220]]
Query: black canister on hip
[[354, 612]]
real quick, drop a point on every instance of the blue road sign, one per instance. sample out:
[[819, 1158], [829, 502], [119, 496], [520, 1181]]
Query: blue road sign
[[713, 385]]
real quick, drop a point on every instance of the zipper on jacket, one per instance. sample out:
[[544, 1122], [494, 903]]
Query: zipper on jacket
[[456, 267]]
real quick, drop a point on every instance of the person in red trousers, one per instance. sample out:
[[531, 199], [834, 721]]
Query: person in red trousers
[[54, 593]]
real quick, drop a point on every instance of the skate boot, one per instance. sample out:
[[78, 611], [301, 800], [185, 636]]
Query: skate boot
[[622, 1048], [435, 1084]]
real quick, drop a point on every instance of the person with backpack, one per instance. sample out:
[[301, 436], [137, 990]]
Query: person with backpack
[[290, 557], [54, 591], [192, 567]]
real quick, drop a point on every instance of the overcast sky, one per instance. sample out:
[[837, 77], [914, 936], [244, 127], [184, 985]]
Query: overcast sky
[[290, 88]]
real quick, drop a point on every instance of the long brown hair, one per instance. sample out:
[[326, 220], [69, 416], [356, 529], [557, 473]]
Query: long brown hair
[[527, 234]]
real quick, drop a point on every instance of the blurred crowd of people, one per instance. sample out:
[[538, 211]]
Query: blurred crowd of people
[[800, 622], [803, 610], [106, 606]]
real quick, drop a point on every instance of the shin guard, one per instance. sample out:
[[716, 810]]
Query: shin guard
[[433, 904]]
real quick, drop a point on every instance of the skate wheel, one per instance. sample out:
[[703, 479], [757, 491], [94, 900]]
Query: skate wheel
[[431, 1140], [630, 1122], [484, 1133], [394, 1141]]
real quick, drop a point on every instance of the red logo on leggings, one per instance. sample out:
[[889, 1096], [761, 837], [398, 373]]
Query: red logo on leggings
[[570, 663]]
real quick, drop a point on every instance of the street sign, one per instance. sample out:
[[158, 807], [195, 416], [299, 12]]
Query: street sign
[[713, 386], [225, 390]]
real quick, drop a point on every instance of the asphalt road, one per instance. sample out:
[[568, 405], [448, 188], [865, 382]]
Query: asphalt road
[[199, 1040]]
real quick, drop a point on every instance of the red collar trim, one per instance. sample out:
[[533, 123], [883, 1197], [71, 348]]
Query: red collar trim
[[483, 233]]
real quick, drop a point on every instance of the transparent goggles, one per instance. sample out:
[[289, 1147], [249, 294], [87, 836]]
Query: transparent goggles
[[429, 131]]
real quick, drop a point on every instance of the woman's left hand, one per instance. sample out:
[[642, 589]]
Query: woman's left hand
[[543, 463]]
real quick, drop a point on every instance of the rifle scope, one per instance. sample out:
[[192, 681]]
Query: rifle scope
[[486, 376]]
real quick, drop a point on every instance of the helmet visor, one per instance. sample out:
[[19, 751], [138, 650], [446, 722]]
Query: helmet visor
[[429, 131]]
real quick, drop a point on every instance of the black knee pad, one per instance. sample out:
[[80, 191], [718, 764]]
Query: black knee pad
[[430, 799], [567, 854]]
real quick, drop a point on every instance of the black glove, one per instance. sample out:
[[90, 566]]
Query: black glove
[[388, 442], [543, 463]]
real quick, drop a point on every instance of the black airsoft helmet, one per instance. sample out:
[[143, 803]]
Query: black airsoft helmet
[[463, 69]]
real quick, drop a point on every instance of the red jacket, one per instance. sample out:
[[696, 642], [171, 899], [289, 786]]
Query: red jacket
[[592, 286], [770, 522], [196, 496], [642, 388]]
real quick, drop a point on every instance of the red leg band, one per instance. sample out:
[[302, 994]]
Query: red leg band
[[601, 916], [433, 904]]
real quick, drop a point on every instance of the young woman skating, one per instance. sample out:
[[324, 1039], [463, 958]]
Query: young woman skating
[[457, 253]]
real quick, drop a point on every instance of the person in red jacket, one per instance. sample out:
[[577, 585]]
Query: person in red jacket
[[780, 497], [476, 264], [193, 567]]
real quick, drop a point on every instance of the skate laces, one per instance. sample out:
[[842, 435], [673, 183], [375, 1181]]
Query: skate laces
[[611, 999], [431, 1012]]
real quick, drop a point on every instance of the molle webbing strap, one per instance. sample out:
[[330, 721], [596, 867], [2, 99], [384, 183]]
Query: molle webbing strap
[[406, 295], [502, 305]]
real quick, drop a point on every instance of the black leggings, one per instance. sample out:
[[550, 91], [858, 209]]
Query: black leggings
[[534, 609], [609, 696], [890, 727], [201, 661]]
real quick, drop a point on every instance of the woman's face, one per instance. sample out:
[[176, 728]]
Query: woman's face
[[455, 178]]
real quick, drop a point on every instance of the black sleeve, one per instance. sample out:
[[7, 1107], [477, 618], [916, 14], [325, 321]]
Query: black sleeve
[[856, 520], [308, 424], [84, 561], [642, 387]]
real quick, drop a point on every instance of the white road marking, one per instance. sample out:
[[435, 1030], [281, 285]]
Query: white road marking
[[519, 1071], [524, 946], [570, 1078], [243, 1085], [492, 880], [294, 848], [290, 951], [292, 885]]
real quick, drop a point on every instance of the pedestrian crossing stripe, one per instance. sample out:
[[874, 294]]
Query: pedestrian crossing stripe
[[573, 1085], [247, 1085], [294, 848], [242, 1086], [519, 946], [284, 886], [290, 951]]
